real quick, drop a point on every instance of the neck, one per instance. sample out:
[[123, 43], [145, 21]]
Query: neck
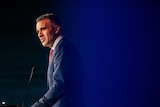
[[56, 36]]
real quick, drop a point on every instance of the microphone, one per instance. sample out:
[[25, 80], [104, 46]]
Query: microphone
[[32, 70]]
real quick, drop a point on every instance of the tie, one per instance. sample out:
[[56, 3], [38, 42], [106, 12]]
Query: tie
[[50, 54]]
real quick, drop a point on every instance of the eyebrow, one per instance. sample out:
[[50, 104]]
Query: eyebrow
[[43, 27]]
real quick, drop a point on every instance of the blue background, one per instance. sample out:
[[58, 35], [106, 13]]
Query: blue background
[[118, 39]]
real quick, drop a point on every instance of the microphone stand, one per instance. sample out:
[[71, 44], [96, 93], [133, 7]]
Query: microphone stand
[[33, 69]]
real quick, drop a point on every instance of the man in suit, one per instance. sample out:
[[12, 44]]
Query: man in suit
[[63, 69]]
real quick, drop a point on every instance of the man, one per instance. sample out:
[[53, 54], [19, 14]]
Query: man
[[63, 72]]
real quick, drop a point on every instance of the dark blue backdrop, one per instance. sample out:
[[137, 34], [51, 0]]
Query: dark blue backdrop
[[119, 42]]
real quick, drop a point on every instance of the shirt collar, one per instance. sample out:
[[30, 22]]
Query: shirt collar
[[56, 42]]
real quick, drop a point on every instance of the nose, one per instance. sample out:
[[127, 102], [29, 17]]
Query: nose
[[40, 34]]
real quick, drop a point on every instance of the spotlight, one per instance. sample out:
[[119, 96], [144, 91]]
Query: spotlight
[[3, 103]]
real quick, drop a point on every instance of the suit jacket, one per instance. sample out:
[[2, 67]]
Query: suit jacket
[[61, 78]]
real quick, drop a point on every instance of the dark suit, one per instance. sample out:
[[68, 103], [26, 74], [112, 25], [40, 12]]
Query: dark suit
[[62, 77]]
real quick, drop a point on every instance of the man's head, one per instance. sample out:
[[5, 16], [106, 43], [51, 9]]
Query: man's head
[[48, 29]]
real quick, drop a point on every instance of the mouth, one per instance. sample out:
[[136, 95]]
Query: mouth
[[42, 40]]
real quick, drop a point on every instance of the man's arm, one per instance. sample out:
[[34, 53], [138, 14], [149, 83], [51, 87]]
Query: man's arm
[[57, 89]]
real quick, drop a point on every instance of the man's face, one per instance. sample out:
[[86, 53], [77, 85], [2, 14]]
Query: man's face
[[46, 32]]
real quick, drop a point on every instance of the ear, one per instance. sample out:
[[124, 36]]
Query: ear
[[57, 29]]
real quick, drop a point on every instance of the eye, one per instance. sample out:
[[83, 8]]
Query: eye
[[43, 28]]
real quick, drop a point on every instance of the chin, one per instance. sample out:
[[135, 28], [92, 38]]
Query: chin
[[44, 45]]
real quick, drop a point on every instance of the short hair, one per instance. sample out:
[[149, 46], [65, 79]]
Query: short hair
[[51, 17]]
